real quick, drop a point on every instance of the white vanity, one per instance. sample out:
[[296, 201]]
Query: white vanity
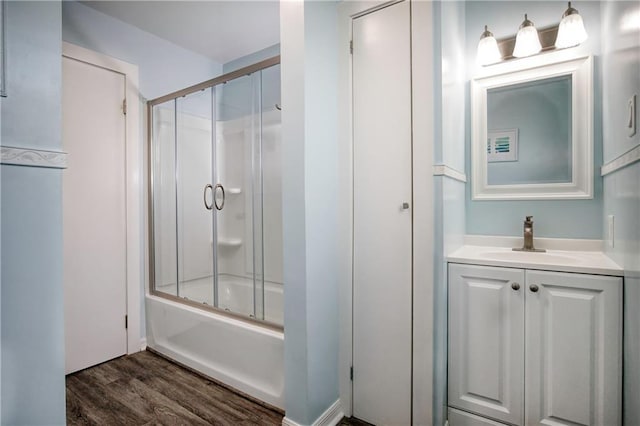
[[534, 338]]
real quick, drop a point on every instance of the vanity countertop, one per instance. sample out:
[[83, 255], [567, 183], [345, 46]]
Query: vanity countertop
[[586, 262]]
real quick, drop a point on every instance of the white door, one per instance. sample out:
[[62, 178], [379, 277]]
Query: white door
[[574, 340], [93, 214], [486, 341], [382, 226]]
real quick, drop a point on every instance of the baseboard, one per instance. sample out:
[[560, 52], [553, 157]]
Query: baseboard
[[330, 417], [143, 344]]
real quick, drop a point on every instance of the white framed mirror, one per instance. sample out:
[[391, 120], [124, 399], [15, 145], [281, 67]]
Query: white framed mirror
[[532, 130]]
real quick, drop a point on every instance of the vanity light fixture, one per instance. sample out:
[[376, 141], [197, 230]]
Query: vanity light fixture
[[571, 31], [488, 52], [527, 40]]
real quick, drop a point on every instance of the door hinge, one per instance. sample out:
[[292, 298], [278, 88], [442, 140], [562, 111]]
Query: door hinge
[[351, 373], [124, 107], [351, 47], [126, 321]]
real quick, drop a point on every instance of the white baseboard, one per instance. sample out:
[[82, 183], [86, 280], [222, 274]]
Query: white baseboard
[[330, 417], [143, 344]]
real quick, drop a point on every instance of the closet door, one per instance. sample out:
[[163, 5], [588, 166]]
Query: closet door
[[382, 216], [94, 215]]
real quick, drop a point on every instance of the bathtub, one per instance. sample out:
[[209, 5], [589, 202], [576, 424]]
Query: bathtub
[[235, 294], [246, 356]]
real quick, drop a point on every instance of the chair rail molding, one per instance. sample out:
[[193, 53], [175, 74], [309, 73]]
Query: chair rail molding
[[444, 170], [624, 160], [32, 157]]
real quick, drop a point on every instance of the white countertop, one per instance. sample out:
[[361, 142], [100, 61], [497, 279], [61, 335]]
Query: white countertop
[[586, 262]]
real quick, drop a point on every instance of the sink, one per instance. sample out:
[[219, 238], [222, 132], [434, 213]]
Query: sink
[[588, 262], [529, 257]]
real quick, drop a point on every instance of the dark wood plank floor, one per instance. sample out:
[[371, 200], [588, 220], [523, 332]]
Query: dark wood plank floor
[[146, 389]]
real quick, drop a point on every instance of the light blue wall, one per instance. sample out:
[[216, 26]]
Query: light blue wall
[[310, 182], [621, 79], [33, 390], [270, 80], [260, 55], [561, 219], [451, 146], [163, 67], [449, 194]]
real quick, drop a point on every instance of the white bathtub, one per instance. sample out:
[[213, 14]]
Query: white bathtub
[[245, 356]]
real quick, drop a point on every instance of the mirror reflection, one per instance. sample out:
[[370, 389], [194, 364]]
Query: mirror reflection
[[529, 132]]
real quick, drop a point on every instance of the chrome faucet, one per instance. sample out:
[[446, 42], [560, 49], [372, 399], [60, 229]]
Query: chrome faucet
[[528, 236]]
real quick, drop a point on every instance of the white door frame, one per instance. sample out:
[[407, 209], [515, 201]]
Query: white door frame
[[422, 54], [133, 180]]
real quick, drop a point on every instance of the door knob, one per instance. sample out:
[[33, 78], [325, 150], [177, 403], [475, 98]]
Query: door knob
[[533, 288], [405, 206], [515, 286]]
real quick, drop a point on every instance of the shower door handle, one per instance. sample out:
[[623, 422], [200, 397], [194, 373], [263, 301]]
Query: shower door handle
[[208, 186], [215, 200]]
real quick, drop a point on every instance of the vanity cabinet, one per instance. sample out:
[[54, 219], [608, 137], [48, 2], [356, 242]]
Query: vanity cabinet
[[530, 347]]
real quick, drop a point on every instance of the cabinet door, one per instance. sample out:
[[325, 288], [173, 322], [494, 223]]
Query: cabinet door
[[573, 359], [462, 418], [486, 341]]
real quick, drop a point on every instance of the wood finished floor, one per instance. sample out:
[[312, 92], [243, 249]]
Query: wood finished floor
[[146, 389]]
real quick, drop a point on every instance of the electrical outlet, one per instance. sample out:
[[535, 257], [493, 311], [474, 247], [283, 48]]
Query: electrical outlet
[[610, 230]]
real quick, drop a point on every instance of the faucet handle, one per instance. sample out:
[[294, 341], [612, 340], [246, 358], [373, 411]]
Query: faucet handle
[[528, 218]]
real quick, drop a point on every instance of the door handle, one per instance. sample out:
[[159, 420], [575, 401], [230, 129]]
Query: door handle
[[215, 200], [515, 286], [208, 186], [533, 288]]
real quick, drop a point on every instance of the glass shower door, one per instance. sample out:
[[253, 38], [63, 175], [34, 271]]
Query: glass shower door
[[194, 175], [163, 163], [216, 195], [238, 171]]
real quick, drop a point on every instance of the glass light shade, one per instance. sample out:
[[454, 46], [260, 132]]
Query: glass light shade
[[527, 40], [571, 31], [488, 52]]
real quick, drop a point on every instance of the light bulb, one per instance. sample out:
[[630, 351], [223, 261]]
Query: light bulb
[[571, 31], [527, 40], [488, 52]]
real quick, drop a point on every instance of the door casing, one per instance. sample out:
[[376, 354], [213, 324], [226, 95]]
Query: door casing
[[422, 181]]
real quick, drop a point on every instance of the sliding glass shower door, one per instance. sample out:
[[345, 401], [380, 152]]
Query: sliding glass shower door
[[239, 275], [195, 226], [214, 154]]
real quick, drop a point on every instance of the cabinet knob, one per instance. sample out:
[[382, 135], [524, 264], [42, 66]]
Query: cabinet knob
[[533, 288], [515, 286]]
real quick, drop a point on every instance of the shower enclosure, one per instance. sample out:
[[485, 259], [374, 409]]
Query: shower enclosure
[[215, 219]]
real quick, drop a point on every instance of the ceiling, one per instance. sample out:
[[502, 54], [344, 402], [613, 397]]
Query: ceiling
[[220, 30]]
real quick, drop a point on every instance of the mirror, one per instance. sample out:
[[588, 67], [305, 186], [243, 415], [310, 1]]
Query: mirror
[[532, 130]]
